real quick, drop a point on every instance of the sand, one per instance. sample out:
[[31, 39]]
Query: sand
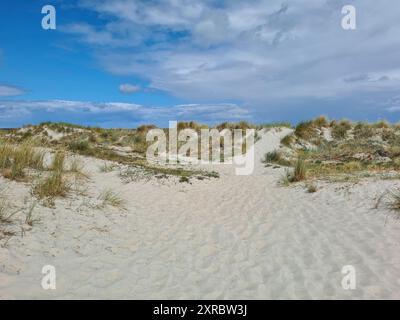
[[236, 237]]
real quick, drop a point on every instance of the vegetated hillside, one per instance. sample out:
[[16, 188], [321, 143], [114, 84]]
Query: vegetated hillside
[[341, 149]]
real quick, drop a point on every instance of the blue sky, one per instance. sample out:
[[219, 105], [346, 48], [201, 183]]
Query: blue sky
[[121, 63]]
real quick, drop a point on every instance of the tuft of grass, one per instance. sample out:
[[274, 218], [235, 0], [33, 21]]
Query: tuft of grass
[[58, 162], [339, 129], [80, 145], [105, 168], [184, 179], [363, 130], [321, 121], [5, 216], [288, 140], [311, 188], [284, 181], [15, 159], [29, 220], [382, 124], [76, 167], [108, 197], [273, 156], [393, 200], [275, 125], [305, 130], [55, 185], [298, 173]]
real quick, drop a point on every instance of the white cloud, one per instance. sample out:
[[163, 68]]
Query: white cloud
[[257, 52], [9, 91], [17, 113], [127, 88]]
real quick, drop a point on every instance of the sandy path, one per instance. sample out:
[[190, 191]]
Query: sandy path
[[234, 237]]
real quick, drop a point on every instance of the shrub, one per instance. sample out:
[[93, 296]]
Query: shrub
[[321, 121], [311, 188], [81, 145], [382, 124], [339, 130], [305, 130], [288, 140], [145, 128], [273, 156], [363, 131]]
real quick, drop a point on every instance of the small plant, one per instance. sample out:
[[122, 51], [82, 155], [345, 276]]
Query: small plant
[[305, 130], [106, 167], [284, 181], [363, 130], [76, 167], [184, 179], [29, 220], [108, 197], [55, 185], [321, 121], [288, 140], [273, 156], [15, 159], [382, 124], [81, 145], [311, 188], [5, 216], [300, 171], [339, 130], [393, 200], [58, 162]]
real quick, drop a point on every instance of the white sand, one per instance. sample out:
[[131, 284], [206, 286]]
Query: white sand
[[228, 238]]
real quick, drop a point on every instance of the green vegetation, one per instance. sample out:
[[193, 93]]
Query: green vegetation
[[55, 184], [355, 149], [108, 197]]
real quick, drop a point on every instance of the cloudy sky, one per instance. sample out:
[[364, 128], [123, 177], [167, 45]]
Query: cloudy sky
[[128, 62]]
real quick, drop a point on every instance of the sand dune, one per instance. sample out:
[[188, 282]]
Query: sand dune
[[236, 237]]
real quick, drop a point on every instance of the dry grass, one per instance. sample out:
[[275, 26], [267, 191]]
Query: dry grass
[[305, 130], [275, 157], [5, 219], [288, 140], [393, 201], [16, 159], [298, 173], [54, 185], [340, 129]]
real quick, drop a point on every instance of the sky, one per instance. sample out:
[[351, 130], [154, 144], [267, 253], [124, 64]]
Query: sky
[[123, 63]]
